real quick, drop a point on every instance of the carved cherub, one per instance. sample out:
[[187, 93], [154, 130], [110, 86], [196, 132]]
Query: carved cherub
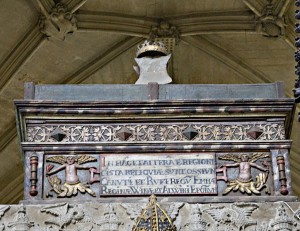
[[244, 181], [72, 183]]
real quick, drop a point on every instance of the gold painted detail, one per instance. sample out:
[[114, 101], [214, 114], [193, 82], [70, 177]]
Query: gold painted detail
[[151, 46], [72, 184], [153, 218], [244, 182], [156, 132]]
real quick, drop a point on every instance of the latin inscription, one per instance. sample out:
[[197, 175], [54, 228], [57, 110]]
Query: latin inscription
[[158, 174]]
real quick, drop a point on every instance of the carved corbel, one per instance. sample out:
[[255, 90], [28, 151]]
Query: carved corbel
[[60, 22], [166, 33], [268, 24]]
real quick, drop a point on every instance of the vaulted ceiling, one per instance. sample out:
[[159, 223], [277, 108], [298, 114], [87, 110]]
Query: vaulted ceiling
[[94, 41]]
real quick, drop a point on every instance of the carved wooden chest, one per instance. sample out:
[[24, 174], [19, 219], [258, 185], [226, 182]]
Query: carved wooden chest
[[198, 143]]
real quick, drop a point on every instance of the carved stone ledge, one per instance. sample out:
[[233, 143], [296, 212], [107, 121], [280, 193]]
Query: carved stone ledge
[[237, 216]]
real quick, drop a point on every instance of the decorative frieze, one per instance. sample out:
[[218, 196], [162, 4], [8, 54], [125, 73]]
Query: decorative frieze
[[155, 132], [70, 175], [154, 215]]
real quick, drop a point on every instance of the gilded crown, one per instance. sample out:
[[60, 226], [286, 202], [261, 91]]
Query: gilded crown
[[151, 49]]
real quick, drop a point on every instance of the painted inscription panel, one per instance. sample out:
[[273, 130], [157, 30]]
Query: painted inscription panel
[[144, 174]]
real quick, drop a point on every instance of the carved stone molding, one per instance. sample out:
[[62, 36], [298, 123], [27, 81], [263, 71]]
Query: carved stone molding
[[190, 24], [155, 132], [121, 217]]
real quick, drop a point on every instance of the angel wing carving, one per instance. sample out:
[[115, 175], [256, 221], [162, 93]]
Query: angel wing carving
[[257, 156], [216, 213], [62, 159], [57, 209], [173, 210], [84, 159], [57, 159], [231, 157], [3, 209], [244, 211]]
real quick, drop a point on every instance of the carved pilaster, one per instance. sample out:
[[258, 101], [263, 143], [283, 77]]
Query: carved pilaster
[[282, 175], [33, 175]]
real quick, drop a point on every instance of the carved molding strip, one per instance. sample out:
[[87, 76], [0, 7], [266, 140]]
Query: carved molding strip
[[113, 22], [237, 216], [212, 22], [190, 24], [19, 55], [232, 61], [153, 132]]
